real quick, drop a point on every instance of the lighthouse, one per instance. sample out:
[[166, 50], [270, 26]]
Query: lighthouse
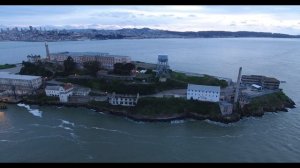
[[47, 51]]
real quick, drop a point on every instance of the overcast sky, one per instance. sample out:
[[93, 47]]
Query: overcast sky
[[277, 19]]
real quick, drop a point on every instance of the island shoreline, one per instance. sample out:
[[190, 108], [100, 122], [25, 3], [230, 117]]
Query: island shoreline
[[234, 117]]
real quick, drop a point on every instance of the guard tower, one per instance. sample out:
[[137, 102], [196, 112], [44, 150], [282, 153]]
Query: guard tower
[[162, 66]]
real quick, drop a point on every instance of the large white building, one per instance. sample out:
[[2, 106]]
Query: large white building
[[63, 92], [107, 61], [19, 84], [203, 93]]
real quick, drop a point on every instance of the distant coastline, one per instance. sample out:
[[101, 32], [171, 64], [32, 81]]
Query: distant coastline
[[144, 33]]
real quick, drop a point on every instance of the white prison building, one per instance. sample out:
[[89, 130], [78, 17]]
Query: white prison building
[[58, 91], [203, 93], [20, 84]]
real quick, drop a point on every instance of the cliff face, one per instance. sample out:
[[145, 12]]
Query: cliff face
[[273, 102]]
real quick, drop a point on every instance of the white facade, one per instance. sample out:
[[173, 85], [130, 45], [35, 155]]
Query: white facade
[[33, 58], [81, 91], [123, 100], [203, 93], [53, 90], [58, 91]]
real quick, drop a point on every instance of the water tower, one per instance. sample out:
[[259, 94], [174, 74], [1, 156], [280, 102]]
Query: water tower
[[162, 66]]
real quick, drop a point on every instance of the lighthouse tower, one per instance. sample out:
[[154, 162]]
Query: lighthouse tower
[[47, 52]]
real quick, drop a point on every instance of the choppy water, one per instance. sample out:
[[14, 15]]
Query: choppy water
[[53, 134]]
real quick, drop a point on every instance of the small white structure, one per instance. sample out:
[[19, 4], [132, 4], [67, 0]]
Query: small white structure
[[203, 93], [33, 58], [123, 100], [58, 91], [256, 87]]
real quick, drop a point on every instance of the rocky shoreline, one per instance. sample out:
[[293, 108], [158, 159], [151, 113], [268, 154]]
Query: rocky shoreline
[[246, 111]]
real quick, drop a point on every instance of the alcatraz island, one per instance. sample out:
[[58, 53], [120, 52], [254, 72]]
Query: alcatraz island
[[140, 91]]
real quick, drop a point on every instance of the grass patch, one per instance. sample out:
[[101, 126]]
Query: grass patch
[[205, 80], [273, 100], [151, 106], [164, 107], [122, 87], [41, 98], [7, 66]]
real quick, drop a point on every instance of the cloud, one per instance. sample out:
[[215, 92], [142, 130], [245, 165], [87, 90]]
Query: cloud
[[192, 18]]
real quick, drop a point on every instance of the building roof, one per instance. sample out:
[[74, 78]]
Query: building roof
[[68, 86], [78, 54], [66, 53], [204, 87], [7, 75], [53, 88]]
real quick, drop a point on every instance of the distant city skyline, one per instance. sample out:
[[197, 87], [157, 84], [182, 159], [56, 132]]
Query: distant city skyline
[[276, 19]]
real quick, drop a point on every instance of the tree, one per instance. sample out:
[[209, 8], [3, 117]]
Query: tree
[[149, 71], [129, 66], [69, 65], [118, 68], [35, 69], [92, 67], [123, 69]]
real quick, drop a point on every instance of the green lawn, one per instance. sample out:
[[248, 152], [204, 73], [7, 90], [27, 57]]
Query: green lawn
[[273, 99], [151, 106], [6, 66], [205, 80], [160, 107]]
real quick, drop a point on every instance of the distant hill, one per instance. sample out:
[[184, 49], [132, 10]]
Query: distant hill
[[125, 33], [153, 33]]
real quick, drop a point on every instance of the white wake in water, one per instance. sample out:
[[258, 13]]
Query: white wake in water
[[34, 112], [177, 121], [68, 123]]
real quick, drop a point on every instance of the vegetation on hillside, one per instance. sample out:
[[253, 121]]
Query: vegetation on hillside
[[151, 106], [205, 80], [123, 69], [41, 98], [165, 107], [92, 67], [69, 66], [126, 88], [37, 69], [269, 100], [6, 66]]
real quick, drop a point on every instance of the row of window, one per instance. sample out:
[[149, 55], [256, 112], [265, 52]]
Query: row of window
[[125, 103], [189, 90], [205, 96]]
